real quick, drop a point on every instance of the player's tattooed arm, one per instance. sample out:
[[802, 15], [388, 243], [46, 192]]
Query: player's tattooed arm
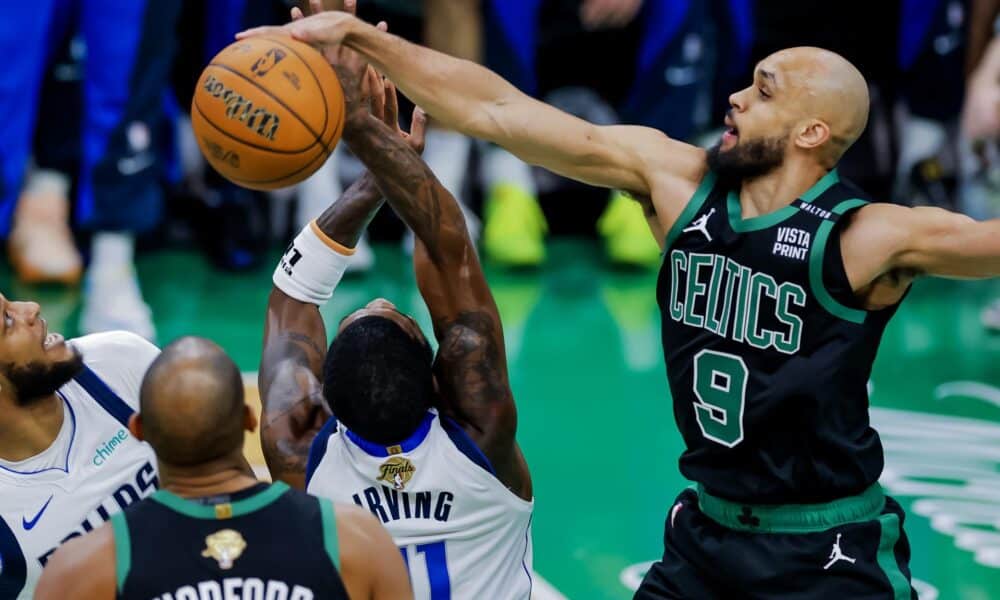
[[294, 348], [471, 364]]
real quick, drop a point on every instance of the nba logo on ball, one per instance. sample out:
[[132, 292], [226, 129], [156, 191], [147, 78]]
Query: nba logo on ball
[[267, 62], [237, 111]]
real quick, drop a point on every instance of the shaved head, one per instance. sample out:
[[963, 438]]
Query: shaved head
[[191, 403], [805, 102], [828, 88]]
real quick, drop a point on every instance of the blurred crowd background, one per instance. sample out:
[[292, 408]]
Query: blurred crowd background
[[98, 162]]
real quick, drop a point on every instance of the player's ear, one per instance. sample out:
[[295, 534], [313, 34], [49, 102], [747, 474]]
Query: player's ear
[[135, 426], [812, 134], [249, 419]]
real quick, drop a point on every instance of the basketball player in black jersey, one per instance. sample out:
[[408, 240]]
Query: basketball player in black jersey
[[777, 283], [213, 531]]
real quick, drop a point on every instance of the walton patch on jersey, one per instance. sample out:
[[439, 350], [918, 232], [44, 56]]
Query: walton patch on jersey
[[735, 300]]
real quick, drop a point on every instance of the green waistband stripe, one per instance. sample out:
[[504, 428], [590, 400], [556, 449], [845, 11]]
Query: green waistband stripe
[[237, 509], [793, 518], [887, 557], [123, 549]]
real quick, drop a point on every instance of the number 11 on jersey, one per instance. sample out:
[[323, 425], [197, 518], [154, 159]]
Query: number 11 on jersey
[[436, 561]]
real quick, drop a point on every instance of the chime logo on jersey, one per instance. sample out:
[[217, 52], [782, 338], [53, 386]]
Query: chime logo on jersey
[[225, 547], [397, 470]]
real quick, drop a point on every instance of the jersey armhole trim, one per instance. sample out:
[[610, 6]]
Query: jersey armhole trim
[[104, 395], [328, 516], [317, 449], [692, 208], [465, 445], [823, 295], [123, 550]]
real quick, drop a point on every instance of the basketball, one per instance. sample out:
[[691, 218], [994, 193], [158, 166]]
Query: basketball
[[267, 112]]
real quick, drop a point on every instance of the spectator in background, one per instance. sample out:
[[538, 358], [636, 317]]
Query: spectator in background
[[659, 77], [981, 113], [126, 53]]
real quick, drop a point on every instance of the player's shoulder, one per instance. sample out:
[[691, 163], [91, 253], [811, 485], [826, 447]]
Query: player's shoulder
[[116, 347], [119, 358]]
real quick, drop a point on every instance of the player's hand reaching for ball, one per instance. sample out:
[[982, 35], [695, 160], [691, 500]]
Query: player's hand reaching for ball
[[351, 68], [321, 28], [385, 106]]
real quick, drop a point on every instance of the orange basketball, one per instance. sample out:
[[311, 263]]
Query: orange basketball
[[267, 112]]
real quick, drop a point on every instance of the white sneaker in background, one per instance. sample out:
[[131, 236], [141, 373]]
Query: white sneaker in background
[[114, 302], [112, 299]]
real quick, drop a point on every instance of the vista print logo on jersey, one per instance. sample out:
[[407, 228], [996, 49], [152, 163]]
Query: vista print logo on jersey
[[225, 547], [397, 470]]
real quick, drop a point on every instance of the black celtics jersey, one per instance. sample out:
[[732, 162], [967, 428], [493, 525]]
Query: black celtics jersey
[[768, 352], [268, 542]]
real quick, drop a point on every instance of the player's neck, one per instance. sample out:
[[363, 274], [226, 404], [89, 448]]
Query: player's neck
[[225, 475], [26, 431], [779, 188]]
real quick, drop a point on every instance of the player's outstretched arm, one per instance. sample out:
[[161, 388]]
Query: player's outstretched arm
[[471, 363], [474, 100], [295, 342], [371, 565], [82, 568], [922, 240]]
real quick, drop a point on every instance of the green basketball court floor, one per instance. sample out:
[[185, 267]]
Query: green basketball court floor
[[595, 418]]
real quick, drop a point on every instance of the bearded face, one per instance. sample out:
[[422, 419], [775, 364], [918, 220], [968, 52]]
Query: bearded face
[[747, 159], [36, 380]]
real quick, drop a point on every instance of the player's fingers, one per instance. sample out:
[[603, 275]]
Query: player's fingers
[[418, 130], [351, 6], [378, 92], [265, 30], [391, 105], [382, 26], [315, 7], [297, 13]]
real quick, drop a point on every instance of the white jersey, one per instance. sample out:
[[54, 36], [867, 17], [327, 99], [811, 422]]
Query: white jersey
[[462, 533], [92, 470]]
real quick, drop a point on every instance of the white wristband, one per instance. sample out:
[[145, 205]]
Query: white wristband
[[312, 266]]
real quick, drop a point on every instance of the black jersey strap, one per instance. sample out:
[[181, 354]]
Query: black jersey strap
[[692, 208], [105, 396], [825, 298]]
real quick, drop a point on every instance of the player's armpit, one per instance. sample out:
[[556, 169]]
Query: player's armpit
[[934, 241], [290, 391], [371, 565], [83, 568]]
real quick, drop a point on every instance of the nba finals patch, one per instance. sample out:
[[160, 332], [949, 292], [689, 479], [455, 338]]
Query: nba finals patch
[[225, 547], [397, 470]]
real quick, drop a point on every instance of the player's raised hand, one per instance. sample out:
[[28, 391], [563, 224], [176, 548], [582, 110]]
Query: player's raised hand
[[321, 27]]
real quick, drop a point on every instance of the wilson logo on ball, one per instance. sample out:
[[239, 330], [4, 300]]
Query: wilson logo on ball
[[263, 122]]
